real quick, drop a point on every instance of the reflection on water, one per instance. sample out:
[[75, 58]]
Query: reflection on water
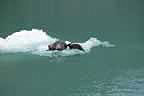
[[130, 83]]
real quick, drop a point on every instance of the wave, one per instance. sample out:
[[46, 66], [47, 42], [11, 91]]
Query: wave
[[35, 41]]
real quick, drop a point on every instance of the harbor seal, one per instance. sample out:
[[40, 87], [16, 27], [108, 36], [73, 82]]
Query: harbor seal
[[61, 45]]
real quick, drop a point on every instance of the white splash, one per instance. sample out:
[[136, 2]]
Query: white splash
[[36, 41]]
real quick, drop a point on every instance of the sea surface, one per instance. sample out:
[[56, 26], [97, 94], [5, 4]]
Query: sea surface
[[111, 31]]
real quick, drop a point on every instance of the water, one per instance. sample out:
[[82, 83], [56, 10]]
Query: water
[[102, 71]]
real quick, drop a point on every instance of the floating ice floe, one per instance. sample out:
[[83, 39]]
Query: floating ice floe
[[36, 42]]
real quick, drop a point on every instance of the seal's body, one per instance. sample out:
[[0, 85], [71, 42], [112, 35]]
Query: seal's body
[[58, 45]]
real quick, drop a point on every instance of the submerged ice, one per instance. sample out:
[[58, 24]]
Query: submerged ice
[[36, 42]]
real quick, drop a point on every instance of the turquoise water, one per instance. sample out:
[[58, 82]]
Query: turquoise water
[[104, 71], [116, 71]]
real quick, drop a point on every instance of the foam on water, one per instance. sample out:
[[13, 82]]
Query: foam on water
[[36, 41]]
